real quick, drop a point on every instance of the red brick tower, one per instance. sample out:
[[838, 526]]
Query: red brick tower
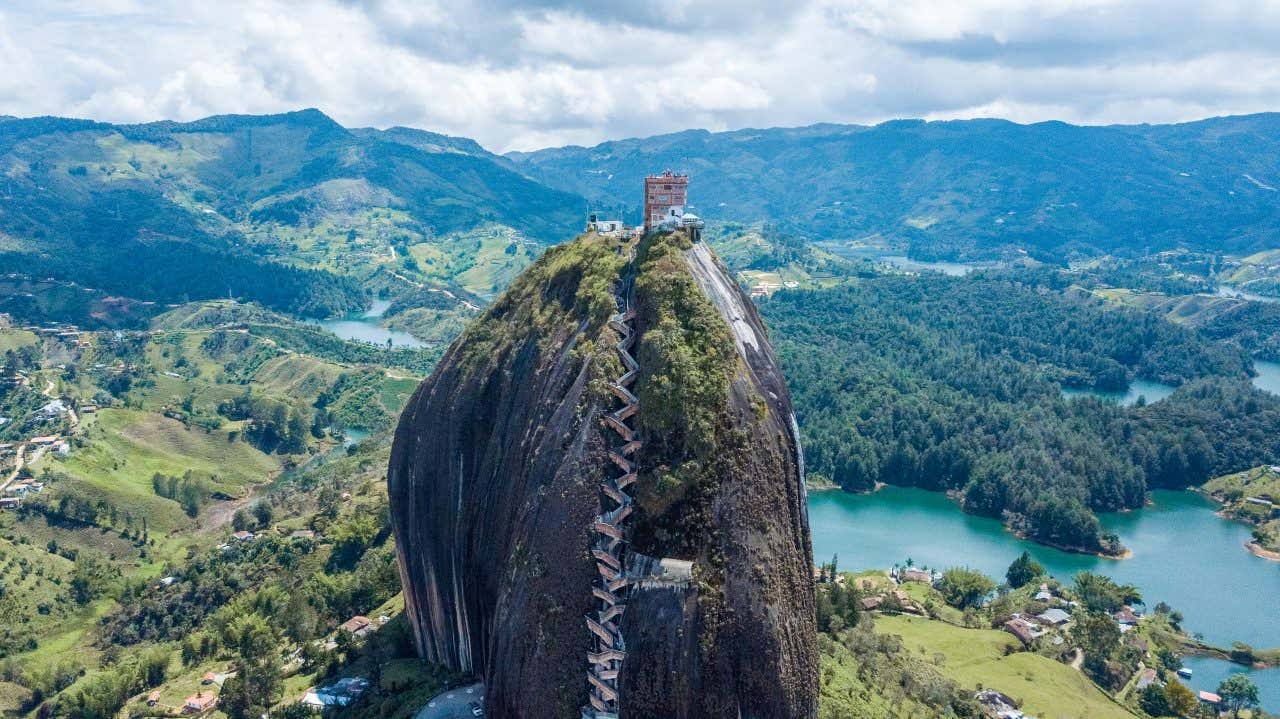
[[661, 193]]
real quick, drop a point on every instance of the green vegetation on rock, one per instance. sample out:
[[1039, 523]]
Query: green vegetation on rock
[[686, 352]]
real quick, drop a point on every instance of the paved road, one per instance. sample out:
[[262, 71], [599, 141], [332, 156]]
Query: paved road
[[453, 704]]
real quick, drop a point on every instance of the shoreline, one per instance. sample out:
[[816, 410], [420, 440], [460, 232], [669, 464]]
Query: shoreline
[[1192, 647], [829, 486], [1257, 550], [1251, 546], [1126, 554]]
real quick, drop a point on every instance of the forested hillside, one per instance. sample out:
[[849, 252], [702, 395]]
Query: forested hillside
[[119, 573], [975, 188], [954, 384], [297, 212], [289, 210]]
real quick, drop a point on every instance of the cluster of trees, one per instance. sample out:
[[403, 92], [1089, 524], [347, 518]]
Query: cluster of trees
[[20, 405], [258, 516], [783, 248], [964, 588], [353, 401], [43, 679], [686, 352], [1107, 660], [1254, 325], [101, 695], [165, 270], [1170, 274], [68, 504], [838, 607], [1100, 593], [358, 575], [257, 683], [207, 583], [25, 357], [192, 490], [955, 384], [861, 666], [1023, 571], [272, 426], [1173, 699], [91, 577], [325, 345]]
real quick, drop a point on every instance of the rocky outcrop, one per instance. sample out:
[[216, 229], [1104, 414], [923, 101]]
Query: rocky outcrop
[[501, 470]]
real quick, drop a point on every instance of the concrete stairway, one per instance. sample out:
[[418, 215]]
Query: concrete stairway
[[608, 649]]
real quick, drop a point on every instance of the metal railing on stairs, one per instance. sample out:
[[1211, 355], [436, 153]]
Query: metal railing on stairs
[[608, 649]]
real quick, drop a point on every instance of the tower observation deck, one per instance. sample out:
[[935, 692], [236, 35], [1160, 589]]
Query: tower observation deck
[[662, 193]]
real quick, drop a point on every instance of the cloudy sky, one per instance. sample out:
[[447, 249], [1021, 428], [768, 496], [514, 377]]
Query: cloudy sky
[[522, 75]]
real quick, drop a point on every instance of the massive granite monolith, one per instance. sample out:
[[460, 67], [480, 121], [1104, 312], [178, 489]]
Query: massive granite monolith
[[509, 458]]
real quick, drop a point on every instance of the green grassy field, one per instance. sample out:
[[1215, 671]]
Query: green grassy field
[[927, 596], [68, 640], [158, 444], [343, 239], [116, 451], [843, 694], [295, 376], [976, 657], [1258, 267], [127, 447], [13, 339], [1232, 490], [35, 606], [396, 392], [1251, 482], [482, 261], [32, 579]]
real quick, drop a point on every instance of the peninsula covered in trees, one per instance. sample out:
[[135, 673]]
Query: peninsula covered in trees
[[955, 384]]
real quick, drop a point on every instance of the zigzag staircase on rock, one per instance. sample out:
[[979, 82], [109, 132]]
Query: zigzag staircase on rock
[[610, 589]]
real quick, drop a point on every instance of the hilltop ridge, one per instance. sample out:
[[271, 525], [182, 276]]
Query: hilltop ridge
[[292, 210], [964, 188]]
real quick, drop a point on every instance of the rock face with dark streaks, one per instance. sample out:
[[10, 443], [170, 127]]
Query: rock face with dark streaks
[[496, 476]]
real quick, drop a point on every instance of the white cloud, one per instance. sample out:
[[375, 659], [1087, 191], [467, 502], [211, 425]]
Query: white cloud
[[518, 75]]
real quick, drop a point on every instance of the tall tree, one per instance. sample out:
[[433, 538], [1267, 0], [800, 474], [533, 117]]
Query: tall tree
[[1023, 570], [1238, 692], [257, 684], [963, 587], [1098, 635], [1099, 593]]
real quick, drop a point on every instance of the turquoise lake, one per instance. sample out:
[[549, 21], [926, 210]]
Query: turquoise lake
[[954, 269], [1207, 673], [1183, 553], [1268, 379], [353, 436], [1268, 376], [366, 327], [1139, 388]]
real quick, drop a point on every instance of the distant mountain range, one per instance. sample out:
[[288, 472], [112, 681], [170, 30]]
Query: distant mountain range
[[167, 210], [298, 212], [973, 188]]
